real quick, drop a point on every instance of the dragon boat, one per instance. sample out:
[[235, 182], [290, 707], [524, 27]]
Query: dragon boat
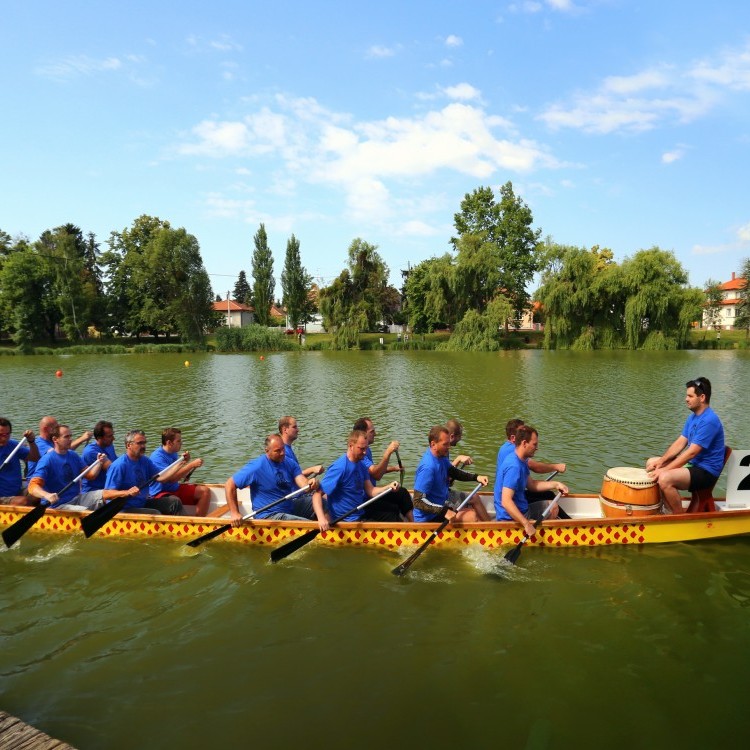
[[626, 512]]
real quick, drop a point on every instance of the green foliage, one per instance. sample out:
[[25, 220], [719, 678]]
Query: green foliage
[[742, 319], [263, 281], [242, 292], [296, 284], [481, 331], [429, 294], [253, 338]]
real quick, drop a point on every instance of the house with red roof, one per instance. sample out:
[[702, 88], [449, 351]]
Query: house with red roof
[[236, 314], [730, 299]]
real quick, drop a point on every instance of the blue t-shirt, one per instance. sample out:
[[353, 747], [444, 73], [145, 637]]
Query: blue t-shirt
[[344, 485], [431, 479], [268, 481], [90, 452], [125, 473], [57, 470], [291, 456], [707, 431], [10, 475], [44, 446], [512, 473], [504, 451], [163, 459]]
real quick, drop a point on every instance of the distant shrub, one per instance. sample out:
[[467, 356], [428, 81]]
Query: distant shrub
[[253, 338]]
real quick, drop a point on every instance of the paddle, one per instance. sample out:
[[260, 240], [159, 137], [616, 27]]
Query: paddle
[[221, 529], [292, 546], [406, 564], [515, 553], [401, 471], [21, 443], [14, 532], [97, 518]]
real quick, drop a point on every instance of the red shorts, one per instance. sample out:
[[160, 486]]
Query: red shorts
[[186, 493]]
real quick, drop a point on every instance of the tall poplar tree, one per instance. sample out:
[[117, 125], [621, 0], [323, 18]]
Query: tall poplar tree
[[742, 319], [295, 285], [263, 281]]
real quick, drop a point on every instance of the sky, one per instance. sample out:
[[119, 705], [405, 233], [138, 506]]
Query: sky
[[623, 124]]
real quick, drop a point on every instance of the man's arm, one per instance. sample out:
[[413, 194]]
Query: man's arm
[[33, 454], [379, 469], [674, 450], [230, 492], [85, 437], [509, 504], [540, 467]]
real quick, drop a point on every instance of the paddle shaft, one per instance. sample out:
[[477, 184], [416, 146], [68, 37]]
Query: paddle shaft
[[513, 555], [286, 549], [221, 529], [401, 471], [20, 445], [401, 569]]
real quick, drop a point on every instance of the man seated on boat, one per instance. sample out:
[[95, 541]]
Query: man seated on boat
[[57, 468], [456, 432], [513, 479], [104, 438], [289, 431], [270, 477], [132, 472], [190, 494], [431, 496], [695, 460], [456, 497], [397, 505], [12, 453], [47, 425], [347, 485]]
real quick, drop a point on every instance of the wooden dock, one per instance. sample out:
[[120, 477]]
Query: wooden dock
[[17, 735]]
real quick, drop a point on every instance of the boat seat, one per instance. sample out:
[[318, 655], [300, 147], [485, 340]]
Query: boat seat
[[702, 501]]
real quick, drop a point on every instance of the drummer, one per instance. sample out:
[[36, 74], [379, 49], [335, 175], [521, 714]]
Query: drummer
[[695, 460], [513, 479]]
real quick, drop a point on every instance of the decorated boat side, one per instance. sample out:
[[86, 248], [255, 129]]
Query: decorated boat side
[[594, 520]]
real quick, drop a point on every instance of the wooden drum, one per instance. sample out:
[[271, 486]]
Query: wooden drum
[[629, 491]]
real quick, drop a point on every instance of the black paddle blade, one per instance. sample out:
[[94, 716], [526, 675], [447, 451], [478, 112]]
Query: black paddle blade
[[97, 518], [14, 532], [514, 554], [286, 549], [399, 570], [209, 536]]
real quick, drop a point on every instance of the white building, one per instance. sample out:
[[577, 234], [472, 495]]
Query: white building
[[728, 310]]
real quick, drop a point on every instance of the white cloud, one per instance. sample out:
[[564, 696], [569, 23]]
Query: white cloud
[[731, 70], [710, 249], [453, 41], [78, 65], [743, 233], [379, 51], [462, 91], [300, 141], [668, 157]]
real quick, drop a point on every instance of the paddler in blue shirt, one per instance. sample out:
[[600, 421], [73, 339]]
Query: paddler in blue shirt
[[12, 452]]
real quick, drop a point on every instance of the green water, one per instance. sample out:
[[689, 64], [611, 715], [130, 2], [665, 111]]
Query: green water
[[123, 644]]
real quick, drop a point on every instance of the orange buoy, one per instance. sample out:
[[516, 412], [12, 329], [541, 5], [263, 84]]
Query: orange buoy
[[58, 374]]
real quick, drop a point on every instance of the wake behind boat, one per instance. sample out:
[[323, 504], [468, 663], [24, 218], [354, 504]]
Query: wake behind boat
[[595, 520]]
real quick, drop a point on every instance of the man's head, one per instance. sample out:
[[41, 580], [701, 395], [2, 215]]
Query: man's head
[[5, 429], [288, 429], [363, 424], [356, 445], [46, 426], [527, 441], [698, 393], [440, 441], [61, 438], [455, 430], [135, 443], [274, 448], [511, 427], [171, 439], [104, 433]]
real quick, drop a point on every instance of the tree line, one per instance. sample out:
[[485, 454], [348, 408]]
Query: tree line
[[151, 279]]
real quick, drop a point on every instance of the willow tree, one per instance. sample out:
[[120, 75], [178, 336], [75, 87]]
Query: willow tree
[[581, 303], [430, 297], [659, 306], [481, 331]]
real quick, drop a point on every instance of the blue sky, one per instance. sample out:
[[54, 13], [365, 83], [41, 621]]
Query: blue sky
[[620, 123]]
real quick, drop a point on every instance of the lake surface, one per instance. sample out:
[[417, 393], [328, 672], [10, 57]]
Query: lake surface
[[122, 644]]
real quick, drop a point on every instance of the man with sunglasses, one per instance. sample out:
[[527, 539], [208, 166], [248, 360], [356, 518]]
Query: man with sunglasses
[[695, 460]]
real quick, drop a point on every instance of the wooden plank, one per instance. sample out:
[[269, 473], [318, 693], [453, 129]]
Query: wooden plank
[[17, 735]]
